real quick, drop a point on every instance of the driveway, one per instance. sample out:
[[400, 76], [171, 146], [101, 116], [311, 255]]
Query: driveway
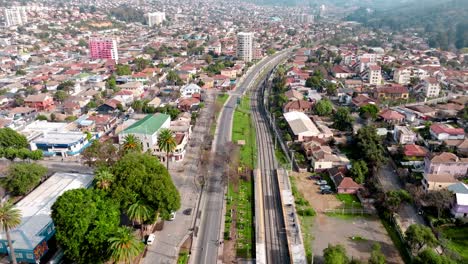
[[332, 230]]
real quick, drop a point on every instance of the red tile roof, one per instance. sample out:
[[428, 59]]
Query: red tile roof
[[414, 150], [388, 114], [442, 128]]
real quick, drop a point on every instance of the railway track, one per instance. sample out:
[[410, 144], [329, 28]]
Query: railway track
[[276, 247]]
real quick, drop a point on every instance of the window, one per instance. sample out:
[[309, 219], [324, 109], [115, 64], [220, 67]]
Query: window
[[19, 255], [29, 256]]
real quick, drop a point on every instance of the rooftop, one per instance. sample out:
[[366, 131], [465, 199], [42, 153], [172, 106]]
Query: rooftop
[[36, 207], [148, 125]]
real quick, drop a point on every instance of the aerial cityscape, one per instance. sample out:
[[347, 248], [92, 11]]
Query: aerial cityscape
[[243, 131]]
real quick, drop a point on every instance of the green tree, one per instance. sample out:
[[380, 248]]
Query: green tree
[[124, 246], [41, 117], [395, 198], [11, 138], [370, 147], [140, 213], [10, 218], [173, 77], [331, 89], [66, 86], [166, 143], [335, 255], [429, 256], [208, 58], [359, 171], [377, 257], [123, 69], [103, 179], [141, 64], [20, 72], [342, 119], [84, 220], [111, 83], [419, 236], [23, 177], [141, 177], [369, 111], [313, 82], [60, 95], [100, 154], [323, 107], [440, 199], [131, 143]]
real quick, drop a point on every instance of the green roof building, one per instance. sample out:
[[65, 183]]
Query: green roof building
[[147, 130]]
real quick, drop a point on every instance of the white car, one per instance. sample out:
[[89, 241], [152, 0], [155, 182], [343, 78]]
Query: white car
[[172, 216], [150, 239]]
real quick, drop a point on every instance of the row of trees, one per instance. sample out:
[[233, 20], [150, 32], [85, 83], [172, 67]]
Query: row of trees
[[22, 153], [336, 254]]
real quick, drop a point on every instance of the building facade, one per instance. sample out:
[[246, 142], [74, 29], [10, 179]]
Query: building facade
[[15, 16], [245, 46], [103, 48], [156, 18]]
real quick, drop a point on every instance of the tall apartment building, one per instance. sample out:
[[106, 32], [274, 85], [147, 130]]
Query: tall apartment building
[[304, 18], [15, 16], [375, 75], [103, 48], [156, 18], [403, 75], [245, 47]]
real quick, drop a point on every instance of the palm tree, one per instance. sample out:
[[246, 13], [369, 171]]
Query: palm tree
[[124, 246], [131, 143], [139, 212], [167, 143], [10, 218], [104, 179]]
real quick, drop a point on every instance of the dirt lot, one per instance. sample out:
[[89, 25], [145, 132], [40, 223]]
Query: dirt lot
[[333, 230]]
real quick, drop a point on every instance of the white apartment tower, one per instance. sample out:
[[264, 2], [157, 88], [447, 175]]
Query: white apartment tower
[[15, 16], [245, 46], [156, 18]]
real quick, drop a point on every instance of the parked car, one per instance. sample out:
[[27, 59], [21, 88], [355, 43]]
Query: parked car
[[150, 239], [188, 211], [172, 216], [314, 177], [321, 182], [326, 192], [325, 187]]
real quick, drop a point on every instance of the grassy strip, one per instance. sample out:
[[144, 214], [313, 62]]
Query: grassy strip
[[457, 240], [349, 200], [306, 216], [397, 241], [183, 258], [243, 129], [222, 98], [346, 216], [245, 228], [229, 207]]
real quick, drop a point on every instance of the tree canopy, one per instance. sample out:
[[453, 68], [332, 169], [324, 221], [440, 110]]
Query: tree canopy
[[84, 220], [335, 255], [429, 256], [323, 107], [123, 69], [141, 177], [369, 145], [369, 111], [377, 257], [395, 198], [343, 120], [11, 138], [359, 171], [419, 236], [23, 177]]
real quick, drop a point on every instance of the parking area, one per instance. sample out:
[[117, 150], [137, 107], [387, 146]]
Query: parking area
[[327, 229]]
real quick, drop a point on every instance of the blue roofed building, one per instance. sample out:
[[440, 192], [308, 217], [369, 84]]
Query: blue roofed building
[[30, 238]]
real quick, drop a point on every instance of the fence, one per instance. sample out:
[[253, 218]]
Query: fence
[[349, 211]]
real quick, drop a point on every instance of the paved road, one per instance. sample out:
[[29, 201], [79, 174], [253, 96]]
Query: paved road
[[205, 248], [276, 247]]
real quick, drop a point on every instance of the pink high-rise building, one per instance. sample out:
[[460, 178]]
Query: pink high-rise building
[[101, 48]]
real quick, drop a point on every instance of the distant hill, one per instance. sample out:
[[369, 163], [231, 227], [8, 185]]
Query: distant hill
[[444, 23]]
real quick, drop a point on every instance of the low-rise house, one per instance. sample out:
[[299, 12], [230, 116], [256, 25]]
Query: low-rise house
[[362, 100], [39, 101], [156, 102], [413, 150], [443, 132], [188, 90], [293, 95], [188, 104], [298, 105], [71, 108], [446, 163], [342, 72], [137, 88], [435, 182], [391, 116], [459, 205], [343, 184], [108, 106], [31, 237], [301, 126], [231, 73], [147, 130], [125, 97], [391, 92], [322, 157], [404, 135]]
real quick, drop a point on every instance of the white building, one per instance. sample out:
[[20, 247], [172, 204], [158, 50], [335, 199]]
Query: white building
[[147, 130], [245, 47], [215, 48], [404, 135], [429, 88], [301, 125], [156, 18], [403, 75], [188, 90], [15, 16]]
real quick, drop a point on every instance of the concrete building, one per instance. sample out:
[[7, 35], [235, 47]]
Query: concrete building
[[15, 16], [30, 238], [103, 48], [404, 135], [446, 163], [156, 18], [245, 47], [429, 88], [189, 90], [301, 125], [147, 130], [375, 75], [441, 131], [403, 75], [435, 182]]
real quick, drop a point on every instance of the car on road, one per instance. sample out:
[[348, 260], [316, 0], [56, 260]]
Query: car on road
[[150, 239], [325, 187], [326, 191], [188, 211], [172, 216], [321, 182]]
